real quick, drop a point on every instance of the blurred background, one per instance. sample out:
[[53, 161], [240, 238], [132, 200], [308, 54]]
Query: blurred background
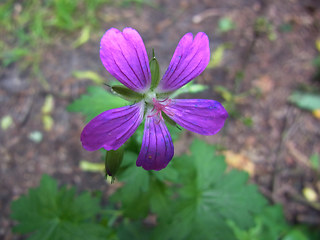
[[265, 69]]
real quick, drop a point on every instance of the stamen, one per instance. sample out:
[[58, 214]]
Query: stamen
[[163, 100], [158, 107]]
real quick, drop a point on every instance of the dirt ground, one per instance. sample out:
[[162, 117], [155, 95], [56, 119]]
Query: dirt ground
[[279, 142]]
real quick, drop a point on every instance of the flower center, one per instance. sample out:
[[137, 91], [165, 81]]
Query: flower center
[[159, 106], [149, 97]]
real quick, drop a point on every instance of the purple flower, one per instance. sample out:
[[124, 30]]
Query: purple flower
[[124, 55]]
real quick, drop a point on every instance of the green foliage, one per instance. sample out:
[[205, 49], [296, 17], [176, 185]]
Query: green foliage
[[51, 213], [83, 38], [6, 122], [230, 100], [95, 102], [36, 136], [40, 18], [29, 27], [264, 26], [209, 196], [226, 25], [286, 27], [188, 88], [143, 190], [305, 100], [93, 76], [139, 3], [193, 198], [218, 54], [133, 230], [271, 224], [64, 10], [9, 56], [315, 161], [316, 62], [247, 121], [217, 57]]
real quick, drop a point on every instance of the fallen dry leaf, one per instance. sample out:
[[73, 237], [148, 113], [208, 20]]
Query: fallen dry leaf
[[239, 161], [310, 194], [264, 83], [316, 113]]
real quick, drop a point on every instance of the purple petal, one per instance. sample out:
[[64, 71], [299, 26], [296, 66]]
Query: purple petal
[[189, 60], [202, 116], [157, 147], [112, 128], [124, 55]]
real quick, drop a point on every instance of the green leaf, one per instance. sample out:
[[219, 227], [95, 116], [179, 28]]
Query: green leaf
[[265, 228], [264, 26], [318, 45], [13, 55], [286, 27], [295, 235], [83, 38], [95, 102], [143, 191], [217, 57], [209, 197], [6, 122], [224, 92], [159, 199], [48, 105], [91, 167], [48, 122], [46, 109], [50, 213], [133, 230], [134, 193], [226, 24], [308, 101], [36, 136], [315, 161], [189, 88], [63, 12], [94, 77], [316, 62], [168, 174]]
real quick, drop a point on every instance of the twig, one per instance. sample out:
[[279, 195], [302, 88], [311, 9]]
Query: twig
[[206, 14]]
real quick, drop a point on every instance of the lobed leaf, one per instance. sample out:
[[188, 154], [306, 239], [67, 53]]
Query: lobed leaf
[[95, 102], [50, 213], [209, 197], [308, 101]]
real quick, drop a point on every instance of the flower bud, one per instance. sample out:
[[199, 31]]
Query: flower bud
[[155, 71], [113, 162]]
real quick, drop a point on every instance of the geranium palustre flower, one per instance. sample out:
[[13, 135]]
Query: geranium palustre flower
[[124, 55]]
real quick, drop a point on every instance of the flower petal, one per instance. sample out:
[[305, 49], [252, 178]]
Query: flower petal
[[202, 116], [189, 60], [112, 128], [157, 147], [124, 55]]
